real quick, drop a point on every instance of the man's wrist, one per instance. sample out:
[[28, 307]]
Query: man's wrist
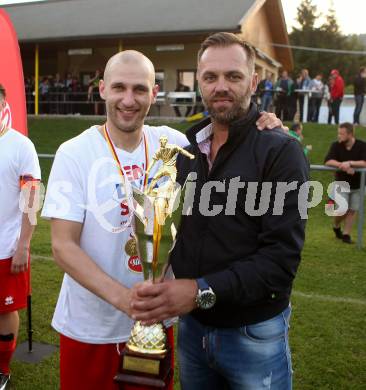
[[205, 298], [120, 298], [195, 292], [23, 245]]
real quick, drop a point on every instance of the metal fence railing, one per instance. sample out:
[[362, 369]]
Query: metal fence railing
[[66, 102]]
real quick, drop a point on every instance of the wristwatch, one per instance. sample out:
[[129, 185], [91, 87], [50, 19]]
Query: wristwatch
[[205, 297]]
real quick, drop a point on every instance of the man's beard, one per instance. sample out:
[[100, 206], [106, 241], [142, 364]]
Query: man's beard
[[226, 116]]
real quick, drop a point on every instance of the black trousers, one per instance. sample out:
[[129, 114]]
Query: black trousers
[[334, 111]]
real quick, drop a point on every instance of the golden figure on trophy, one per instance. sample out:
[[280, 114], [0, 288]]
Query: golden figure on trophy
[[146, 358]]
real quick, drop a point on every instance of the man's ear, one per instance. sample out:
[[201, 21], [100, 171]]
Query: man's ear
[[102, 89], [254, 82], [155, 91]]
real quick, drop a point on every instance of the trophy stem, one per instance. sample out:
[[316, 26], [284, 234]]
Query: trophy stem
[[156, 244]]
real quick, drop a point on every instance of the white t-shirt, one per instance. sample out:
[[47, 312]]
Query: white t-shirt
[[18, 158], [85, 186]]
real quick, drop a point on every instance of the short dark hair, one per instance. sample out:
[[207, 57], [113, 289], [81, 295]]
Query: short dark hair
[[225, 39], [2, 91], [348, 127], [296, 126]]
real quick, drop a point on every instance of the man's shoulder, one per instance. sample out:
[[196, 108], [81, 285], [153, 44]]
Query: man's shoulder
[[19, 139], [274, 137], [174, 136], [80, 142], [361, 143], [272, 144]]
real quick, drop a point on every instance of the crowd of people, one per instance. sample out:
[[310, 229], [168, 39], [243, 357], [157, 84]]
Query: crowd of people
[[68, 95], [286, 94]]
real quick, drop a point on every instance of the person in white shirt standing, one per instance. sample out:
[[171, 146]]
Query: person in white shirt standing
[[92, 237], [317, 93], [20, 174]]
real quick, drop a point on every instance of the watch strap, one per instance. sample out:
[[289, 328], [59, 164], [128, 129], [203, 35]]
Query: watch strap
[[202, 284]]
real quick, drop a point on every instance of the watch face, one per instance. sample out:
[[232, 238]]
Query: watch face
[[207, 299]]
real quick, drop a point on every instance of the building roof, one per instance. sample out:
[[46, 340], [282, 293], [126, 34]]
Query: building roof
[[75, 19]]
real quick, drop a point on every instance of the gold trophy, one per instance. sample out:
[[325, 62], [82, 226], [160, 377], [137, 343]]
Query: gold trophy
[[146, 359]]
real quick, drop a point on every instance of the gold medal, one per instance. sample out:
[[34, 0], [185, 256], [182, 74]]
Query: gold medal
[[131, 247]]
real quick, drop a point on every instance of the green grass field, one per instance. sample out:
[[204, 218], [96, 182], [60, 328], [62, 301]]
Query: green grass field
[[329, 301]]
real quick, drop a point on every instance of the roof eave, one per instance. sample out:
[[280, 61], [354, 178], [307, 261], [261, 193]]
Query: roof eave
[[133, 35]]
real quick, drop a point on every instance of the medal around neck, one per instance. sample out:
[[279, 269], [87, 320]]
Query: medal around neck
[[157, 216]]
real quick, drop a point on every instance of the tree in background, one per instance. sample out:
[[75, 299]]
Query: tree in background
[[328, 35]]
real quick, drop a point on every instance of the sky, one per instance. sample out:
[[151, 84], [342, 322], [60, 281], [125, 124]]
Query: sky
[[7, 2], [351, 14]]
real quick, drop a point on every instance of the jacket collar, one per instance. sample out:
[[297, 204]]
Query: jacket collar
[[237, 129]]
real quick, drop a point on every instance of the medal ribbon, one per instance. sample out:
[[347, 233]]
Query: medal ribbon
[[128, 191], [114, 154], [3, 129]]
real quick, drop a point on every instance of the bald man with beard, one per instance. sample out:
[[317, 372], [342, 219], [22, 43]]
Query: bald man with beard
[[91, 223]]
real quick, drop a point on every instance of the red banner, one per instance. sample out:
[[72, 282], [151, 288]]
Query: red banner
[[11, 76]]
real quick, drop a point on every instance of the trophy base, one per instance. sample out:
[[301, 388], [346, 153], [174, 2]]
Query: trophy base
[[136, 368]]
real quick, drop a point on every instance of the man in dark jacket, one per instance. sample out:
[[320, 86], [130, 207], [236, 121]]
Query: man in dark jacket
[[238, 247], [359, 86]]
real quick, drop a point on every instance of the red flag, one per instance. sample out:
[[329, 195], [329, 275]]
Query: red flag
[[11, 76]]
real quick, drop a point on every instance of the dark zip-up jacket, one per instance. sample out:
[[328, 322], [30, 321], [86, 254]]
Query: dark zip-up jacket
[[359, 85], [249, 261]]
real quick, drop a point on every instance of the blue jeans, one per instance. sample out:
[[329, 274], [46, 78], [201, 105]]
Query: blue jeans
[[359, 103], [252, 357], [266, 102]]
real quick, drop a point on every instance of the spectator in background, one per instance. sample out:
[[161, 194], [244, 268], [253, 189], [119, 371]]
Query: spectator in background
[[296, 132], [336, 95], [58, 83], [68, 82], [93, 85], [265, 91], [57, 89], [29, 94], [93, 91], [44, 95], [317, 93], [284, 91], [303, 82], [359, 86], [182, 88], [75, 95], [346, 154]]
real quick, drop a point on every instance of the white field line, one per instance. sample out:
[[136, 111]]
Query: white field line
[[316, 297], [38, 257], [329, 298]]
